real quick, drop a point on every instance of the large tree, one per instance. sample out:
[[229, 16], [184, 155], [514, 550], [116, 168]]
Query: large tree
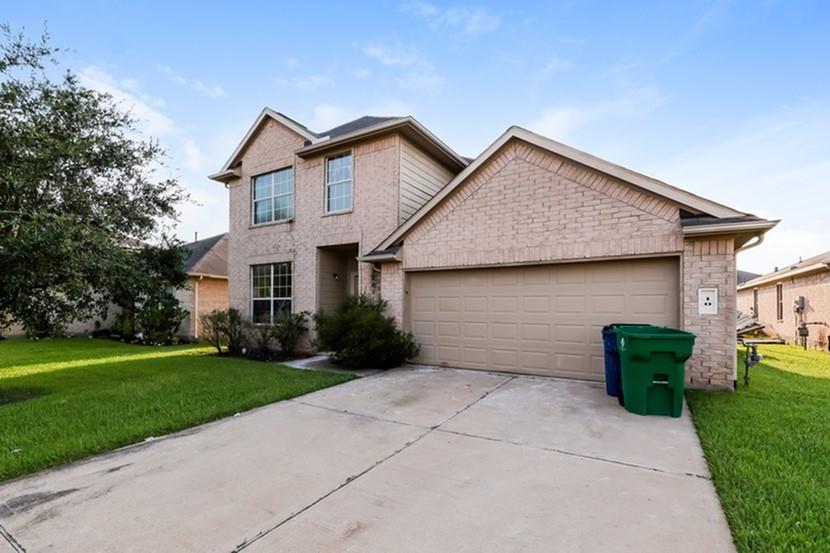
[[78, 189]]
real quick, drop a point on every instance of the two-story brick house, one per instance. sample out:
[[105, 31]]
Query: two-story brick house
[[512, 261], [304, 206]]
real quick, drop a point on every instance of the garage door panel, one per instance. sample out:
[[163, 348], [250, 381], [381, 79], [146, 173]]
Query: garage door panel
[[642, 304], [536, 332], [570, 304], [542, 319], [608, 304]]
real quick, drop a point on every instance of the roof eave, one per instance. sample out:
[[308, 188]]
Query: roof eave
[[778, 277], [716, 229], [225, 176], [207, 275]]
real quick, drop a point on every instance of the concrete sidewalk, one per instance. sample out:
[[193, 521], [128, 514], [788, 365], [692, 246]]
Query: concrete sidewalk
[[407, 460]]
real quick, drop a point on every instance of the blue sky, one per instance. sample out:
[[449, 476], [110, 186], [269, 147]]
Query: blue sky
[[730, 100]]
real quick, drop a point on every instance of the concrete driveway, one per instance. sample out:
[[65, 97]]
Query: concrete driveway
[[410, 460]]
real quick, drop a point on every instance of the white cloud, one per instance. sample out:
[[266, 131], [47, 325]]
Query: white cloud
[[424, 9], [291, 62], [419, 75], [151, 121], [557, 65], [467, 21], [470, 21], [362, 73], [305, 82], [212, 91], [560, 122], [194, 159], [187, 160], [424, 81], [774, 165], [397, 54]]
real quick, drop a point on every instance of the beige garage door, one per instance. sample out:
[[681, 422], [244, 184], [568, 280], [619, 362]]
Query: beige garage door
[[539, 320]]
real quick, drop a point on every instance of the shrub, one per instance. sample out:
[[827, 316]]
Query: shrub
[[213, 326], [359, 335], [160, 317], [235, 330], [224, 328], [262, 335], [289, 329]]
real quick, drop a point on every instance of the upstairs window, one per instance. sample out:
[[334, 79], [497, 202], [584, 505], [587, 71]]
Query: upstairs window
[[273, 196], [271, 291], [339, 183]]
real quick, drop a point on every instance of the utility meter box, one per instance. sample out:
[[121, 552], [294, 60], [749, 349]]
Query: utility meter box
[[798, 304], [707, 301]]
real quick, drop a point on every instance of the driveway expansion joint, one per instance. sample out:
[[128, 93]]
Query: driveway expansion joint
[[363, 415], [578, 455], [429, 430], [15, 545]]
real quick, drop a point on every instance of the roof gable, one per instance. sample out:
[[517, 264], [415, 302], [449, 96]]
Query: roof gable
[[208, 256], [266, 113], [679, 197]]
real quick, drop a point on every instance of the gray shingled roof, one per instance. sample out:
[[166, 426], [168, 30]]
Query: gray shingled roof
[[787, 269], [355, 125], [746, 276], [208, 256]]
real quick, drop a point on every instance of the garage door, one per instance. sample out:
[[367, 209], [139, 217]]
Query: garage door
[[543, 319]]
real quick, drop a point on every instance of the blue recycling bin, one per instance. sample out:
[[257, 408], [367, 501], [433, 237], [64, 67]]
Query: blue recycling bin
[[613, 375]]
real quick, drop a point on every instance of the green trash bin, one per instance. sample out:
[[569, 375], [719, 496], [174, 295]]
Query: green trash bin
[[652, 360]]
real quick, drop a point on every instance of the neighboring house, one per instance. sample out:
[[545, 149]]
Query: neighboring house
[[774, 300], [207, 282], [746, 276], [512, 261]]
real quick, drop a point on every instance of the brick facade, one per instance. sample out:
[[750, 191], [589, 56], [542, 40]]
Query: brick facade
[[373, 217], [816, 291], [202, 295], [530, 206]]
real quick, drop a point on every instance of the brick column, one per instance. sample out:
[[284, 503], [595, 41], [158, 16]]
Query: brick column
[[710, 263], [392, 290]]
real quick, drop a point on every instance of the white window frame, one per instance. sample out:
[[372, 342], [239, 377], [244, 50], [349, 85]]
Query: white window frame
[[273, 197], [272, 299], [330, 184]]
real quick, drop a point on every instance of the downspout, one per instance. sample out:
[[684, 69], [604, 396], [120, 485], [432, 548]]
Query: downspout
[[758, 241], [196, 308]]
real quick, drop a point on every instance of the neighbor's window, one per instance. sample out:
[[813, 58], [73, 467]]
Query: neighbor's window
[[270, 291], [339, 183], [779, 301], [273, 196]]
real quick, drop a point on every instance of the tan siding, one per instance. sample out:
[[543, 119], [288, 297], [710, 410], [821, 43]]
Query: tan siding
[[421, 178]]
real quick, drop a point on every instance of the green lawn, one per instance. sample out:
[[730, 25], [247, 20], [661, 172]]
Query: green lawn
[[768, 448], [65, 399]]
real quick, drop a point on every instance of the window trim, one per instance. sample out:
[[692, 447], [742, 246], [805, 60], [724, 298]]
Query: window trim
[[779, 302], [328, 184], [273, 197], [271, 299]]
